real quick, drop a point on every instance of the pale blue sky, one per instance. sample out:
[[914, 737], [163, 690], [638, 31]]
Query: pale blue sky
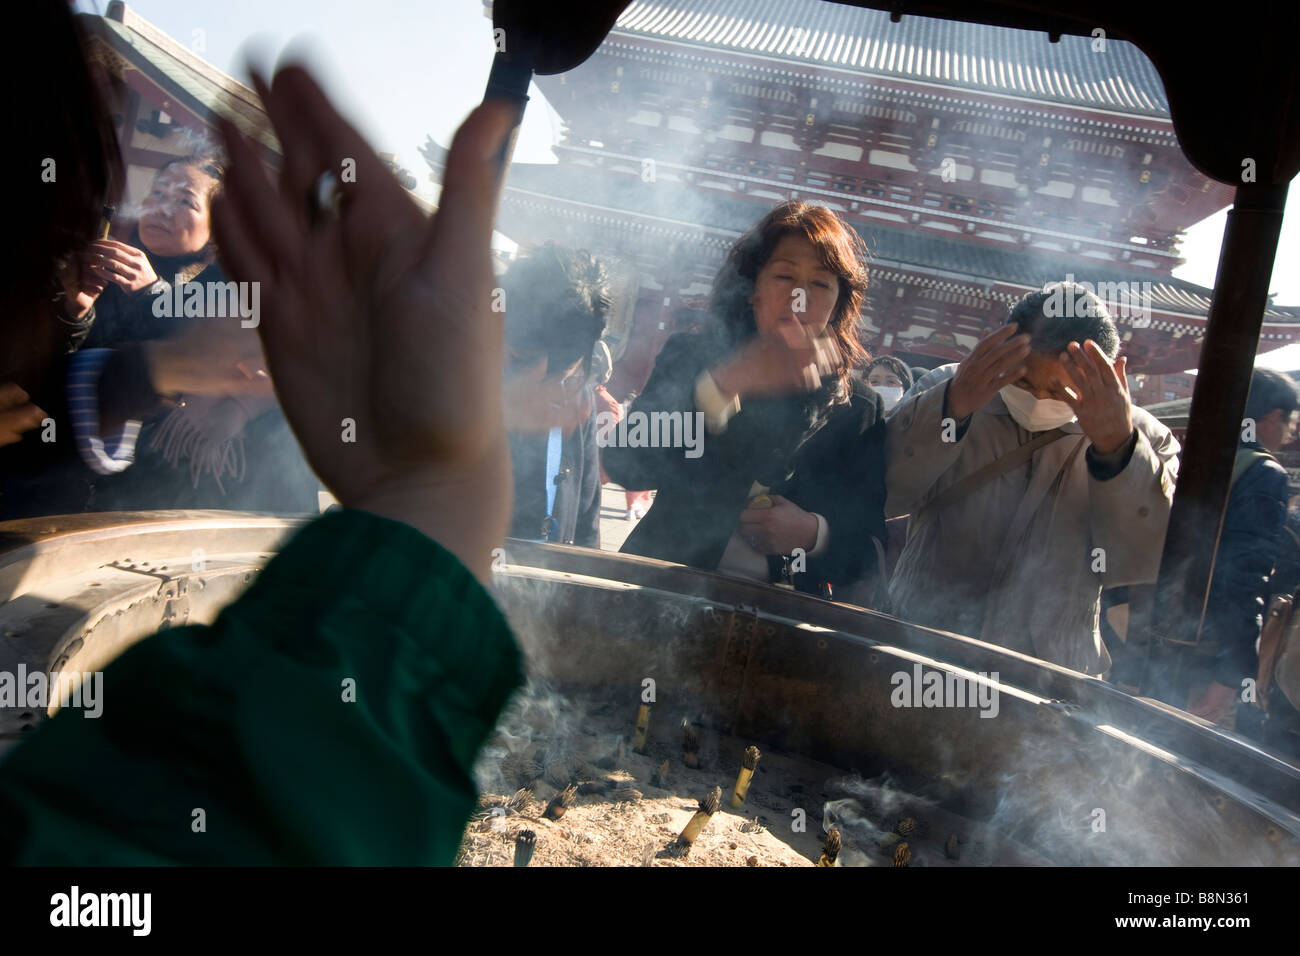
[[404, 69]]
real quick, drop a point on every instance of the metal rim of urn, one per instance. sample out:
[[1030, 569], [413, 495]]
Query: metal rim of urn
[[775, 675]]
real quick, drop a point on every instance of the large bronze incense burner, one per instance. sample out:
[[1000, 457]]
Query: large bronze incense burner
[[1068, 766]]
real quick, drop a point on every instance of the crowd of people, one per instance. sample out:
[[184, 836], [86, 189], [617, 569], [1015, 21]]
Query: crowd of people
[[1023, 471]]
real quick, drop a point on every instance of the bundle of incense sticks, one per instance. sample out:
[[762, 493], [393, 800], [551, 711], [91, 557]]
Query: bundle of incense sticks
[[831, 852], [525, 843], [561, 802], [902, 855], [588, 787], [708, 807], [690, 745], [642, 728], [748, 764]]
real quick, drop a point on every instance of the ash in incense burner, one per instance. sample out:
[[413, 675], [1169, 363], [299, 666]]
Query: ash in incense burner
[[559, 766]]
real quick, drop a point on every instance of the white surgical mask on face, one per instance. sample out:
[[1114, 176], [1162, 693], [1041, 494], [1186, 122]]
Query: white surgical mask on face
[[890, 393], [1035, 414]]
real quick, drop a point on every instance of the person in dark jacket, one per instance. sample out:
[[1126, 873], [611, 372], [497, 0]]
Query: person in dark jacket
[[1248, 548], [555, 304], [250, 719], [158, 414], [766, 452]]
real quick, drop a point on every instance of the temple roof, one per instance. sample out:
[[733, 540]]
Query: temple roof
[[175, 68], [1018, 63], [691, 211]]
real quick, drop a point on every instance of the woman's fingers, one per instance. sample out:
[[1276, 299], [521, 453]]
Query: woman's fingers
[[250, 216], [12, 396], [463, 226], [316, 139]]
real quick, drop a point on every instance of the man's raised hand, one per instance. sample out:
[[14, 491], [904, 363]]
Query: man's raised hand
[[997, 361]]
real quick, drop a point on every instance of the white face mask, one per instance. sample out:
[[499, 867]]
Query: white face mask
[[890, 393], [1035, 414]]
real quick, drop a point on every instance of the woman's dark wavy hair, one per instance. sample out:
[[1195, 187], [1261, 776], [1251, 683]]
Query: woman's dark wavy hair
[[839, 248], [63, 124]]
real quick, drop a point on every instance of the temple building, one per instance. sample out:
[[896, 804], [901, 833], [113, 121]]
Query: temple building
[[165, 99], [977, 163]]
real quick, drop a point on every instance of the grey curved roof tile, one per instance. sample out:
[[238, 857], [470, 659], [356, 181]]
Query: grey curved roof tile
[[968, 55]]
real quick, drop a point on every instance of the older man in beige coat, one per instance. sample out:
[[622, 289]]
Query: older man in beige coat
[[1032, 483]]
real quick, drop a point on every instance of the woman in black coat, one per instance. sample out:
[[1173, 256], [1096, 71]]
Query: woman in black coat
[[786, 481]]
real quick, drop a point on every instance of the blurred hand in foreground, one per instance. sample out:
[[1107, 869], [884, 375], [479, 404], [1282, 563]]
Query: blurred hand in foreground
[[214, 357], [377, 322]]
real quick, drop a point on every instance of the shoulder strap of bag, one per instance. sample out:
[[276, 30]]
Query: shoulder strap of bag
[[977, 479]]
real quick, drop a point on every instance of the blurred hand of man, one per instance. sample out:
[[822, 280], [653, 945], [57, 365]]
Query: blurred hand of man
[[1101, 398], [376, 314], [997, 361]]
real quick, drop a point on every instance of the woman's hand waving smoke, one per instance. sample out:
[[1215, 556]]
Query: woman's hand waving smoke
[[379, 315]]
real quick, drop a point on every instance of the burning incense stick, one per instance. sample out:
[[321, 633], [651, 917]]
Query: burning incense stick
[[660, 777], [106, 221], [642, 728], [561, 802], [952, 847], [708, 807], [690, 745], [748, 764], [616, 759], [832, 850], [525, 843]]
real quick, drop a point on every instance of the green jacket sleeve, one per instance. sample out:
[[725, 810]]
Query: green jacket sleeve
[[331, 715]]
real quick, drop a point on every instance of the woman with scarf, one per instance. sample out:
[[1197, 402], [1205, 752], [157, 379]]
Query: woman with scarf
[[167, 411], [787, 484]]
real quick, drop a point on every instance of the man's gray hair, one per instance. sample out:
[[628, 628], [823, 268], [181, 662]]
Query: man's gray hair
[[1065, 312]]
